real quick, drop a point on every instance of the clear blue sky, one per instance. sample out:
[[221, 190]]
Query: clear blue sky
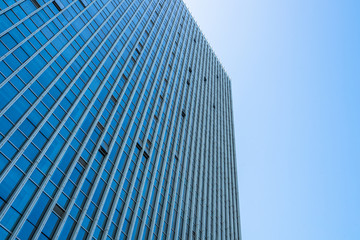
[[295, 69]]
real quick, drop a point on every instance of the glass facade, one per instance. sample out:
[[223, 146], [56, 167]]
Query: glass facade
[[116, 123]]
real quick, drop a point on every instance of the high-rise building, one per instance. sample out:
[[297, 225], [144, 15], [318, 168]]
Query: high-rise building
[[116, 122]]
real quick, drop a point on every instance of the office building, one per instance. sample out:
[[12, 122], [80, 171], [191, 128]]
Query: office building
[[116, 123]]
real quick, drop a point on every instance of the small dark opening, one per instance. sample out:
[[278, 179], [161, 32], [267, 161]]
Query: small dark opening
[[83, 162], [83, 3], [59, 211], [37, 5], [100, 126], [59, 6], [113, 98], [138, 146], [103, 151], [125, 77]]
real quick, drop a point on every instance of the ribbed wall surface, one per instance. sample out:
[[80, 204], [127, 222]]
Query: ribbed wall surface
[[116, 122]]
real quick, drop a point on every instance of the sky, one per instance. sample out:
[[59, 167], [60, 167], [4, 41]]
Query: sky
[[295, 70]]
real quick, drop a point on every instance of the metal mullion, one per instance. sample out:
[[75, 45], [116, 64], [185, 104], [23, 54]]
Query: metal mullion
[[146, 169], [190, 121], [220, 187], [188, 152], [222, 207], [229, 166], [236, 204], [59, 99], [230, 163], [122, 219], [74, 162], [207, 137], [227, 161], [213, 149], [118, 128], [185, 97], [10, 165], [219, 174], [122, 181], [206, 211], [22, 20], [194, 114], [38, 29], [217, 218], [43, 47], [53, 58], [187, 161], [65, 147], [161, 138], [195, 145], [113, 209], [135, 173], [234, 178], [224, 152], [11, 6], [198, 147], [27, 86], [212, 192], [184, 170], [199, 150], [233, 169], [174, 146], [222, 164]]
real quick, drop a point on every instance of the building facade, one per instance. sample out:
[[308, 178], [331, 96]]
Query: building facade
[[116, 123]]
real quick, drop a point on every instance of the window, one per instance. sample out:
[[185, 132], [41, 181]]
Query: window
[[138, 146], [58, 4], [59, 211], [84, 3], [100, 126], [113, 98], [103, 151], [82, 162], [35, 3]]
